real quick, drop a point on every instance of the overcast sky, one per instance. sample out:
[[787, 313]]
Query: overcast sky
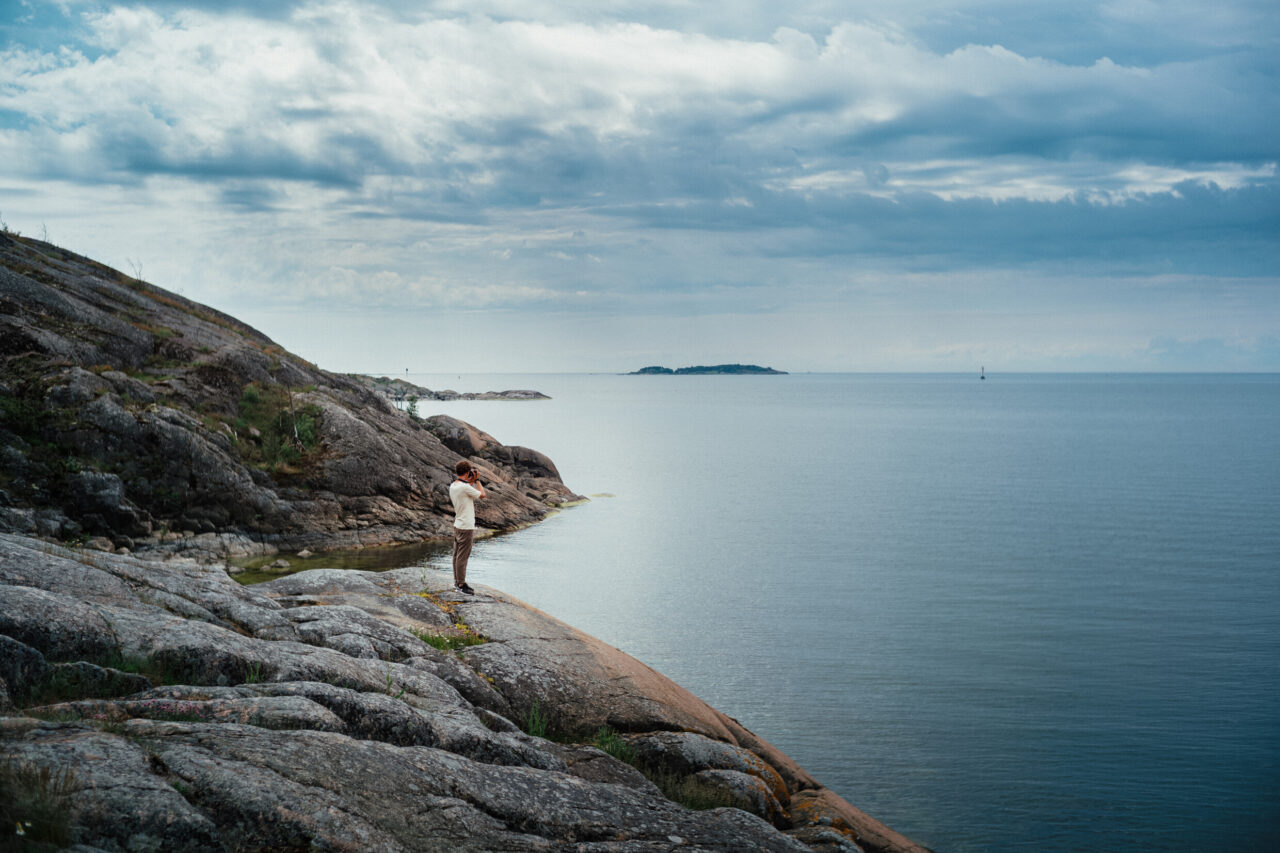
[[599, 185]]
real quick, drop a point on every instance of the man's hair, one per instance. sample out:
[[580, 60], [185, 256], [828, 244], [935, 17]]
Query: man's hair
[[462, 467]]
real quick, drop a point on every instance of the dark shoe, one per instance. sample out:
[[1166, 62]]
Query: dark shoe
[[462, 587]]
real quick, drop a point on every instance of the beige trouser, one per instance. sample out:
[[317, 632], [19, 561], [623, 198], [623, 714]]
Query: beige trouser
[[462, 540]]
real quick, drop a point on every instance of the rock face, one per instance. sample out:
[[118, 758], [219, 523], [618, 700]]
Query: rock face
[[160, 705], [130, 413]]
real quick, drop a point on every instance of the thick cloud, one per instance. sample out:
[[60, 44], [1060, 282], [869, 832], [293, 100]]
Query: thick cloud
[[651, 156]]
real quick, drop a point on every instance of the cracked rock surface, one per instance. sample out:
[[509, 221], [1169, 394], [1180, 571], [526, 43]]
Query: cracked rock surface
[[161, 705]]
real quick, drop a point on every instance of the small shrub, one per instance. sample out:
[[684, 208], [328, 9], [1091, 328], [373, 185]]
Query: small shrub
[[287, 433]]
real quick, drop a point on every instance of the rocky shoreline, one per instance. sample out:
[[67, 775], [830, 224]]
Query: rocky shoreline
[[148, 701], [134, 418], [161, 705], [403, 392]]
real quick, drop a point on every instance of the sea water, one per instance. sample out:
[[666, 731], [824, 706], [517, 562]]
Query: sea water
[[1031, 612]]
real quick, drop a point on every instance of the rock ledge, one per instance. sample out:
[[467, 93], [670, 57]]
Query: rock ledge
[[149, 705]]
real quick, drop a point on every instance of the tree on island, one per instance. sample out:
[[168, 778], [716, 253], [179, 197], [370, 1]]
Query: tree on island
[[735, 369]]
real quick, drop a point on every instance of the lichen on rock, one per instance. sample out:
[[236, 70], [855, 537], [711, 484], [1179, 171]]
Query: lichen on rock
[[305, 712]]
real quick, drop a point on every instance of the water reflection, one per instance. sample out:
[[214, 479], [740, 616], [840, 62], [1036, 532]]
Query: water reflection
[[364, 559]]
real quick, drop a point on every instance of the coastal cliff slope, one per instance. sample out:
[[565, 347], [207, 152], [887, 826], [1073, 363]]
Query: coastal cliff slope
[[134, 417], [161, 705]]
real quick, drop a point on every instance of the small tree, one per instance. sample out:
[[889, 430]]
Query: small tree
[[412, 408]]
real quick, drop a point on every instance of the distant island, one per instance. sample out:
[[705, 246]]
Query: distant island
[[704, 369]]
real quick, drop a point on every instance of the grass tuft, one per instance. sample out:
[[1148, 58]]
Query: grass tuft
[[610, 742], [690, 791], [35, 806], [536, 721], [450, 642]]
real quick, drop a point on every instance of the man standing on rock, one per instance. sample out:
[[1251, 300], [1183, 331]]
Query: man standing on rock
[[464, 492]]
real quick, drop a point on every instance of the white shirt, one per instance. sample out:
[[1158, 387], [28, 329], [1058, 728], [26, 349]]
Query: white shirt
[[464, 497]]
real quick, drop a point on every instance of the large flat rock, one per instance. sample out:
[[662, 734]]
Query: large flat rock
[[164, 706]]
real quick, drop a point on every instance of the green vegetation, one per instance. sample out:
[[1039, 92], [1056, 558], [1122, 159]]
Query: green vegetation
[[450, 642], [687, 790], [25, 412], [535, 721], [732, 369], [391, 685], [162, 332], [58, 686], [610, 742], [156, 670], [254, 675], [111, 727], [274, 432], [690, 791], [35, 806]]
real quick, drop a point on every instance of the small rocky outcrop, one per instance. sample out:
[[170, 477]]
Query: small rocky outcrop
[[160, 705], [404, 392], [136, 418]]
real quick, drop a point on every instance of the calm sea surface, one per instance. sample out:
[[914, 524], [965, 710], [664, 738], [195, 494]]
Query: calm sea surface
[[1032, 613]]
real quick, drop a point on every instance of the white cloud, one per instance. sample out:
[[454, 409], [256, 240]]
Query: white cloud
[[343, 91], [644, 156]]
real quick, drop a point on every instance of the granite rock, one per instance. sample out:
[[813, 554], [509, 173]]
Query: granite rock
[[302, 713], [126, 419]]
